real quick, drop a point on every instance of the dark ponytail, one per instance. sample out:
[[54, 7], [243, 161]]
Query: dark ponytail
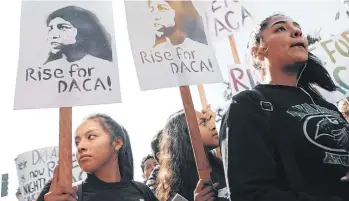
[[314, 73]]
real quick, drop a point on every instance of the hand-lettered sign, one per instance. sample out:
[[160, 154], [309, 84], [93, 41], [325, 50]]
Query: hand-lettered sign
[[67, 55], [242, 77], [170, 47], [334, 53], [35, 168], [227, 17]]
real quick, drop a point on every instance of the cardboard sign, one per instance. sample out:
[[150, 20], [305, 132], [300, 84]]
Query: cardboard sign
[[227, 17], [170, 46], [35, 168], [334, 53], [242, 77], [67, 55]]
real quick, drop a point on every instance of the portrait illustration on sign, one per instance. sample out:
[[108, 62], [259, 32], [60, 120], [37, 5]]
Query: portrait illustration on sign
[[170, 47], [74, 33], [176, 22], [74, 62]]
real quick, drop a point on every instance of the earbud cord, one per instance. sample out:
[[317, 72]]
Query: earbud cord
[[311, 98]]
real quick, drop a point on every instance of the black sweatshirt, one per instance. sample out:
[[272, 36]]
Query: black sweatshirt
[[316, 136], [94, 189]]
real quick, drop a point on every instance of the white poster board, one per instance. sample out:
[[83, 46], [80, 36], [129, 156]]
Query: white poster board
[[35, 168], [334, 53], [67, 55], [227, 17], [170, 45], [242, 77]]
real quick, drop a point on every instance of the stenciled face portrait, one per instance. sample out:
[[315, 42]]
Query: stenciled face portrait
[[163, 16], [60, 33]]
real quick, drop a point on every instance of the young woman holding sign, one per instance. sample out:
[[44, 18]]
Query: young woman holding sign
[[283, 140], [178, 172], [104, 151]]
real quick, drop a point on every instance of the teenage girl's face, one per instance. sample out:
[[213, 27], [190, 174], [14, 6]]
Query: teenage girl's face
[[282, 43], [94, 147], [207, 126]]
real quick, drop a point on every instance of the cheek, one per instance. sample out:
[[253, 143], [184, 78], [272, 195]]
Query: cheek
[[204, 132], [169, 18], [70, 36]]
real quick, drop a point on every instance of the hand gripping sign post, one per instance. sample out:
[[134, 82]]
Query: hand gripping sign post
[[173, 50], [67, 58]]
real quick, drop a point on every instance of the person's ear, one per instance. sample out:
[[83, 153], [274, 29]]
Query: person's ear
[[118, 143], [158, 155], [258, 52]]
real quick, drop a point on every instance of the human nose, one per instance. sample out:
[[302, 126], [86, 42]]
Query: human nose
[[297, 32], [54, 34], [82, 146]]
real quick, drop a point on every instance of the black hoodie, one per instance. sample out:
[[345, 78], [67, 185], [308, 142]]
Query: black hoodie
[[94, 189], [315, 137]]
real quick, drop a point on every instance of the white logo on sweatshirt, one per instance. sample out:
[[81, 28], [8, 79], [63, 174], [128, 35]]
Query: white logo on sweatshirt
[[326, 129]]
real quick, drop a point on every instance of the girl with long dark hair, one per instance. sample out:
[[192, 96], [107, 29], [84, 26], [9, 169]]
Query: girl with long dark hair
[[104, 152], [178, 173], [283, 140]]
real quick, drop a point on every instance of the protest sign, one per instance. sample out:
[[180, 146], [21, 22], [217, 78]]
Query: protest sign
[[334, 53], [35, 168], [227, 17], [242, 77], [67, 55], [170, 45], [4, 185]]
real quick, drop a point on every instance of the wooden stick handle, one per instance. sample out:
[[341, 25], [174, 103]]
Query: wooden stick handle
[[202, 96], [195, 137], [65, 146], [234, 50]]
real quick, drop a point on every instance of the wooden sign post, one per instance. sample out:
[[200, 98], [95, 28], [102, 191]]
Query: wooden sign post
[[202, 165], [234, 50], [65, 146]]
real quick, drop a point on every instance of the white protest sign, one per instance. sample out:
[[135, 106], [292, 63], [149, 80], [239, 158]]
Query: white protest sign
[[242, 78], [35, 168], [334, 53], [170, 44], [226, 17], [67, 55], [346, 3]]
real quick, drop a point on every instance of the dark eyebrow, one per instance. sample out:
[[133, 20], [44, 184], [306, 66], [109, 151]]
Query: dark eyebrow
[[87, 133], [284, 22], [65, 24], [278, 22]]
